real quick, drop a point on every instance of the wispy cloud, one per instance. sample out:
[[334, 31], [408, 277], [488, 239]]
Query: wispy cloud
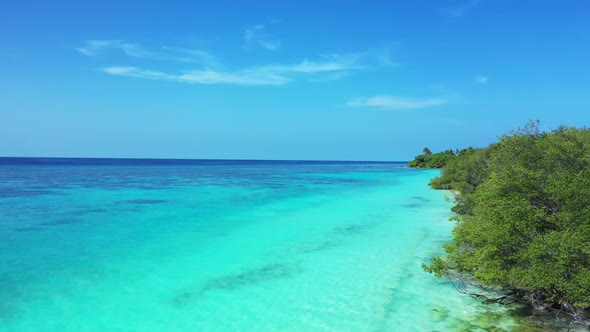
[[260, 75], [312, 67], [461, 9], [189, 55], [207, 76], [481, 79], [97, 47], [137, 72], [259, 36], [324, 68], [207, 69], [395, 102]]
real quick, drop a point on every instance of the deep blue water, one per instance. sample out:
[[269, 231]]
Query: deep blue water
[[148, 162]]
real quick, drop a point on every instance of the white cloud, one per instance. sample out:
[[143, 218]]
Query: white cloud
[[461, 9], [308, 67], [137, 72], [188, 55], [339, 65], [206, 76], [481, 79], [257, 35], [327, 67], [207, 69], [120, 70], [264, 75], [97, 47], [395, 102], [243, 78]]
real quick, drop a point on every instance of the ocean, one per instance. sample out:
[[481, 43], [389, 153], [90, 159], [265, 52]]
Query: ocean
[[222, 245]]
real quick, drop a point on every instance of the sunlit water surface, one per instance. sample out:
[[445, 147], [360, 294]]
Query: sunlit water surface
[[225, 246]]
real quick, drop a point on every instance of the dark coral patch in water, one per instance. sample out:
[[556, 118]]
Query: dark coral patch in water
[[12, 193], [412, 205], [92, 211], [315, 247], [28, 229], [354, 228], [416, 202], [233, 281], [420, 198], [252, 277], [145, 201], [182, 299], [64, 221]]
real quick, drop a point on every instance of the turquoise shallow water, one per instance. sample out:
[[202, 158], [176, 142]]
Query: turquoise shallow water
[[225, 247]]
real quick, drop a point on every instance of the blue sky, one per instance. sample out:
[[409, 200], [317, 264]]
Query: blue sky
[[340, 80]]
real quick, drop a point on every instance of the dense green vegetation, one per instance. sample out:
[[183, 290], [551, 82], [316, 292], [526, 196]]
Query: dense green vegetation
[[522, 219], [431, 160]]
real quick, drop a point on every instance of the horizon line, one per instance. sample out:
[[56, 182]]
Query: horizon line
[[208, 159]]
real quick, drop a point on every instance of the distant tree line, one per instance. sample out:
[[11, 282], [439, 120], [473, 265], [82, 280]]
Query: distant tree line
[[432, 160], [522, 215]]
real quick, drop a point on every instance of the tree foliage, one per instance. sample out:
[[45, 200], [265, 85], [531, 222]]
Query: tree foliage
[[431, 160], [523, 217]]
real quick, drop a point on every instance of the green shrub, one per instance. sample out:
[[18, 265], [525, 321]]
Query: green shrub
[[523, 216]]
